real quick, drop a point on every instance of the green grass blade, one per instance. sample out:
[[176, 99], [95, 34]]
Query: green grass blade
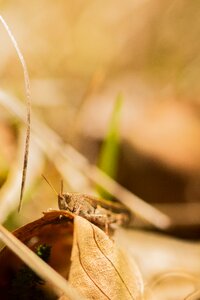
[[109, 154]]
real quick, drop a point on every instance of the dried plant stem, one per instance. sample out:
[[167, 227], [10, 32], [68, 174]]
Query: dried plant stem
[[38, 265], [193, 296], [169, 275], [28, 97], [56, 150], [144, 210]]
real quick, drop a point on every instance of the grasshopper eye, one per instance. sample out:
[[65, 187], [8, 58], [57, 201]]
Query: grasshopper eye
[[62, 203]]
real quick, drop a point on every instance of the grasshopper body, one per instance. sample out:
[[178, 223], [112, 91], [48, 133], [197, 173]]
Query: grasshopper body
[[100, 212]]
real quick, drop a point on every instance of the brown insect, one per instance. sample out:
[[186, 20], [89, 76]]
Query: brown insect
[[98, 211]]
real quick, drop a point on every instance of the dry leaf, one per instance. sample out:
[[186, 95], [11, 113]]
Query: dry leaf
[[99, 270], [52, 230]]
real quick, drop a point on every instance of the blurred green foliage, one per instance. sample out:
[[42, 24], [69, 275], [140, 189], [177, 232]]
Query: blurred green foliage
[[109, 154]]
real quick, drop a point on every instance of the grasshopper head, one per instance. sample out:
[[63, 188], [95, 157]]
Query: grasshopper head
[[64, 202]]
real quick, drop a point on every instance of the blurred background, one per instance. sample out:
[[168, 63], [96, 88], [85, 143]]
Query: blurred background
[[80, 56]]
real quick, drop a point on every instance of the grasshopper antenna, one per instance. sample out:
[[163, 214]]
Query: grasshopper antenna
[[49, 183], [61, 187]]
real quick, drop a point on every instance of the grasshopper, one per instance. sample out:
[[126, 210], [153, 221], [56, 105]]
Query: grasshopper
[[98, 211]]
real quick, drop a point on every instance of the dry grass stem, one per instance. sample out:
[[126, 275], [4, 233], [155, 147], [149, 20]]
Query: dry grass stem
[[169, 275], [28, 97], [194, 296]]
